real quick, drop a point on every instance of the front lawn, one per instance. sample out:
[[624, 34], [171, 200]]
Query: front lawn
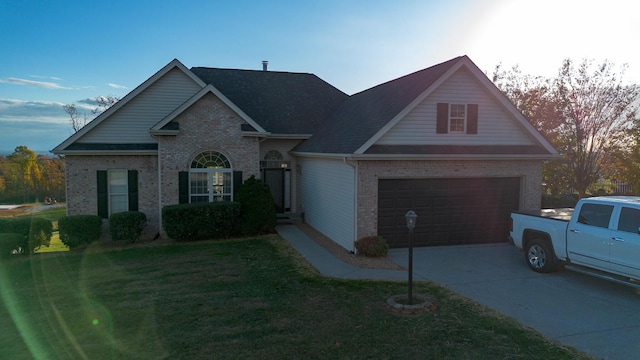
[[248, 298]]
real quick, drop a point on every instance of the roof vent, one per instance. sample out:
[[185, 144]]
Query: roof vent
[[265, 64]]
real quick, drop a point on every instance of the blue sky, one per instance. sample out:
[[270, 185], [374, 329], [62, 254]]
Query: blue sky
[[61, 52]]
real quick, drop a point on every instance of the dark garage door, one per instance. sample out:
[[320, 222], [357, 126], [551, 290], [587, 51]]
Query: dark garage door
[[450, 211]]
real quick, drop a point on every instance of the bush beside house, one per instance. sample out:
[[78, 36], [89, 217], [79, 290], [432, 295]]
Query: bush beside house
[[372, 246], [79, 229], [258, 207], [127, 225], [186, 222]]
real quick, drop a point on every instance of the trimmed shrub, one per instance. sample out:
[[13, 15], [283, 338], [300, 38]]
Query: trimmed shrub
[[258, 207], [79, 230], [372, 246], [11, 244], [186, 222], [2, 222], [36, 231], [127, 225]]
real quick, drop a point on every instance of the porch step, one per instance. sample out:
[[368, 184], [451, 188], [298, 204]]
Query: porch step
[[289, 219]]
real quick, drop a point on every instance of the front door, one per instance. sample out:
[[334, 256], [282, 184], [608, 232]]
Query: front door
[[279, 182]]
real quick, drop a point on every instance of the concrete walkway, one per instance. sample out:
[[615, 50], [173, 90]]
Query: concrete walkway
[[329, 265], [595, 316]]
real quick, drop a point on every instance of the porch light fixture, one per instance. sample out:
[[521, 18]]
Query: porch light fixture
[[411, 217]]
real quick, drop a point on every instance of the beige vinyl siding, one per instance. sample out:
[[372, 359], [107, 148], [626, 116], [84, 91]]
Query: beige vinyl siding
[[327, 190], [496, 126], [132, 122]]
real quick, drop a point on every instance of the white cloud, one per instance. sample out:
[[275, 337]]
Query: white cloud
[[46, 77], [116, 86], [43, 111], [42, 84]]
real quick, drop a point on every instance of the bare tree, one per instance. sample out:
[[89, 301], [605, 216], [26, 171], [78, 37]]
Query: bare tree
[[79, 119], [104, 102]]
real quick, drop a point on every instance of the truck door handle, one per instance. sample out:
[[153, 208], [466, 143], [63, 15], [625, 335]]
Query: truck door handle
[[618, 239], [575, 231]]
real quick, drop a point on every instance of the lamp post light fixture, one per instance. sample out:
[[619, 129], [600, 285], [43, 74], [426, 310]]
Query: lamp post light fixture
[[411, 217]]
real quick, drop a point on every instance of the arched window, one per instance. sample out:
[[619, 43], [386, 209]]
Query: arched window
[[274, 159], [273, 155], [210, 178]]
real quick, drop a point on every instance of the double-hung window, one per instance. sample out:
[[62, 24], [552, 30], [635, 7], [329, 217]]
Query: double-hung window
[[457, 117], [117, 191]]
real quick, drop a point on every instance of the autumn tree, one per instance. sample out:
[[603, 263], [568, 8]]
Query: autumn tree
[[598, 110], [23, 179], [586, 113], [627, 159], [533, 96], [28, 174]]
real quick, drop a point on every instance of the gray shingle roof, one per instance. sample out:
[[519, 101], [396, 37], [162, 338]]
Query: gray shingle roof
[[281, 102], [362, 115]]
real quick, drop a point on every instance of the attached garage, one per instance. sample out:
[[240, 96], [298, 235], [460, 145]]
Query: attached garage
[[451, 211]]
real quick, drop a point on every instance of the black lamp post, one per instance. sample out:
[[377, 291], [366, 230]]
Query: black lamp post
[[411, 217]]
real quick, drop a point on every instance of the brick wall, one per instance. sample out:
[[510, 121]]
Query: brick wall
[[81, 183], [208, 125], [530, 171]]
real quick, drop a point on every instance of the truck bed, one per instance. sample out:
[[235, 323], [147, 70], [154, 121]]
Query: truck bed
[[563, 214]]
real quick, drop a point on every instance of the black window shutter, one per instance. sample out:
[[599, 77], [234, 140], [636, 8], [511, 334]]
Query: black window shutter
[[183, 187], [237, 182], [442, 126], [103, 194], [472, 118], [133, 189]]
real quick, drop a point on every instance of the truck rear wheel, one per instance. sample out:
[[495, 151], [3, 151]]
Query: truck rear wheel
[[539, 256]]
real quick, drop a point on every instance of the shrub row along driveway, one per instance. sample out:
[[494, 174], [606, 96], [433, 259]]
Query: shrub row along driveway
[[593, 315]]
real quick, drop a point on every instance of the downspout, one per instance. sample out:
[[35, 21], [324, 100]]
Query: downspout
[[159, 193], [159, 186], [355, 201]]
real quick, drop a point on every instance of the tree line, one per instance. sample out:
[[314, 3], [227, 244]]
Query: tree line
[[590, 115], [27, 177]]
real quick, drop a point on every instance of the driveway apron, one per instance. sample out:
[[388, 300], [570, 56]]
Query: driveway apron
[[598, 317]]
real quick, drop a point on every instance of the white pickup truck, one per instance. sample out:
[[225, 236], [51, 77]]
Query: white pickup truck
[[601, 237]]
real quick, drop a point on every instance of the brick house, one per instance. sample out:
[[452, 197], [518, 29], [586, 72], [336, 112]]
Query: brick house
[[442, 141]]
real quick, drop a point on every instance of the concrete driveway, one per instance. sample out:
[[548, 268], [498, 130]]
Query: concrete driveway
[[598, 317]]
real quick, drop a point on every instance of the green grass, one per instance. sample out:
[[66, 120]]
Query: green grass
[[53, 214], [55, 245], [249, 298]]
